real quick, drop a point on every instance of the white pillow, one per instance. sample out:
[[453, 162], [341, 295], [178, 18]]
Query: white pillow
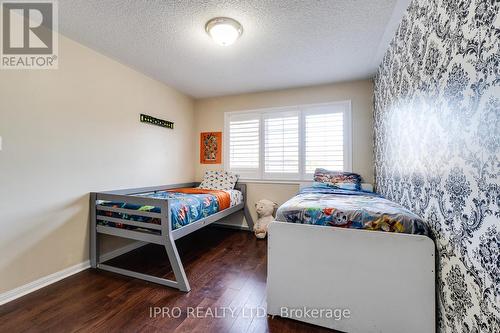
[[219, 180]]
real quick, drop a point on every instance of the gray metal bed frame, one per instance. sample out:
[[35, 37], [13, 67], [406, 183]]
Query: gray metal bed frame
[[166, 235]]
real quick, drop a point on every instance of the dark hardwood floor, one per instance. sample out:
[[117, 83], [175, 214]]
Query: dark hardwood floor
[[226, 269]]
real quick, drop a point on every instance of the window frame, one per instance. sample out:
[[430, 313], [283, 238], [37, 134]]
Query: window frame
[[302, 110]]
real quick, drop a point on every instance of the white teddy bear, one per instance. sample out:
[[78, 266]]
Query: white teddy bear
[[265, 209]]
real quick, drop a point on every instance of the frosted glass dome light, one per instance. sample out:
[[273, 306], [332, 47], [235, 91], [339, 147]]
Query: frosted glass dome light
[[224, 30]]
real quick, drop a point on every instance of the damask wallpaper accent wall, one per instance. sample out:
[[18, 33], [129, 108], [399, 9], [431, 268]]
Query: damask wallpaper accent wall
[[437, 147]]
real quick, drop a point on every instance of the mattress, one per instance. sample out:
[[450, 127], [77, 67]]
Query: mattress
[[349, 209], [187, 205]]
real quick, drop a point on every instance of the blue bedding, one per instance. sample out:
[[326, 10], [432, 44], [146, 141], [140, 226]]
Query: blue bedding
[[324, 205], [185, 209]]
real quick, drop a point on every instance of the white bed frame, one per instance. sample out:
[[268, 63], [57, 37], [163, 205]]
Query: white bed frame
[[386, 281]]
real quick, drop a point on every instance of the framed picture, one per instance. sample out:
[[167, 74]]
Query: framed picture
[[211, 148]]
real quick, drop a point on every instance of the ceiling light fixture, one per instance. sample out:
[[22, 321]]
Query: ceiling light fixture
[[224, 30]]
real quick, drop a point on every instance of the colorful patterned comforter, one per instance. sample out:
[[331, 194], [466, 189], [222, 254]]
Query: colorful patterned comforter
[[186, 206], [349, 209]]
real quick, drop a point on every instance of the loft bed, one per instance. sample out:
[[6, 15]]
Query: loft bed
[[112, 220]]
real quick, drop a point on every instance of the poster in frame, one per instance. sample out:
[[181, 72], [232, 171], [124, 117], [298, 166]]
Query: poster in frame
[[211, 148]]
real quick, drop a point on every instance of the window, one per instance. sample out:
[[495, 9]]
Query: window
[[244, 147], [281, 145], [288, 143], [324, 141]]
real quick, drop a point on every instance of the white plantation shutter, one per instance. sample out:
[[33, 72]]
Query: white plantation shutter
[[244, 144], [327, 138], [281, 145], [288, 143], [324, 142]]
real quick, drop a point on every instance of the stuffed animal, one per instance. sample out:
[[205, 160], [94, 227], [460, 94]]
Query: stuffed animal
[[265, 209]]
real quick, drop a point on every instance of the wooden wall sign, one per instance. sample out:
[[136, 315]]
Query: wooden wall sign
[[211, 148], [155, 121]]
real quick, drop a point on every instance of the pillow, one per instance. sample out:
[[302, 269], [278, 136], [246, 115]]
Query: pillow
[[219, 180], [338, 179], [342, 186]]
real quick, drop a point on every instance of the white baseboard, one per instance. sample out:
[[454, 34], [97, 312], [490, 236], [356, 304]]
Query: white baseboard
[[57, 276], [42, 282]]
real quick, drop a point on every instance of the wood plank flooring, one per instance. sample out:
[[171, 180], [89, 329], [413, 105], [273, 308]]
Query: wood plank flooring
[[226, 269]]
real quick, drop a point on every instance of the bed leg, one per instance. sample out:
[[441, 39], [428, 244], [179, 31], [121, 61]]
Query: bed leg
[[173, 255], [175, 262], [246, 212], [248, 217], [94, 237]]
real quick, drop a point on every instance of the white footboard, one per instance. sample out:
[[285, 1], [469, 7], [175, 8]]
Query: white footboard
[[360, 281]]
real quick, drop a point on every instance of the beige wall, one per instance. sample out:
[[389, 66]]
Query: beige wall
[[70, 131], [209, 116], [278, 193]]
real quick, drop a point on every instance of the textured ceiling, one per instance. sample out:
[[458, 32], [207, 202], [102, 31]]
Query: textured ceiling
[[284, 43]]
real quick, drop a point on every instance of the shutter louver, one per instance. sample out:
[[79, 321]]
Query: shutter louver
[[244, 145], [324, 142], [281, 145]]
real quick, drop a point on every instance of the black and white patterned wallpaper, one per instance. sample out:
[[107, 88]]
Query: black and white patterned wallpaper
[[437, 147]]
